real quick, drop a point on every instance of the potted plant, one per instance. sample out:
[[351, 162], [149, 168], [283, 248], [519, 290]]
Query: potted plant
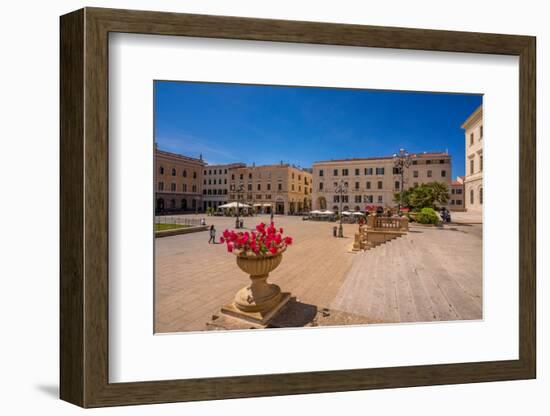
[[257, 253]]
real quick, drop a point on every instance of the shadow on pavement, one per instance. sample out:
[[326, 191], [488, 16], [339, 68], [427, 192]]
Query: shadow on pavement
[[294, 314]]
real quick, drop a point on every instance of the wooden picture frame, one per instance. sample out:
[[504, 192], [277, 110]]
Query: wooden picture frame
[[84, 207]]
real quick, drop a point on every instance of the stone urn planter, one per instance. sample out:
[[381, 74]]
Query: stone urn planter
[[258, 296], [258, 252], [259, 301]]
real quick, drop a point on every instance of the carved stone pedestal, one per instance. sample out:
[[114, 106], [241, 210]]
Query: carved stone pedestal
[[259, 301]]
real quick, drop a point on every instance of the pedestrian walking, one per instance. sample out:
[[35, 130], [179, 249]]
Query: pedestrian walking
[[212, 235], [271, 216]]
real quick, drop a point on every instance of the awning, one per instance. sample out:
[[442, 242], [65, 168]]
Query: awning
[[316, 212], [234, 205]]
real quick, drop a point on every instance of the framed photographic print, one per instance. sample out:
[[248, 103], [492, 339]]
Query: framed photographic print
[[256, 207]]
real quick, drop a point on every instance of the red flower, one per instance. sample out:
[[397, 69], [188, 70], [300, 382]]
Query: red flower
[[265, 239]]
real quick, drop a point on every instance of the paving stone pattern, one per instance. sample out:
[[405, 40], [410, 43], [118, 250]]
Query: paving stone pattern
[[431, 274]]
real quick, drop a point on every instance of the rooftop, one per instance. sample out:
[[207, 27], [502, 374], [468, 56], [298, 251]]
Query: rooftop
[[276, 165], [424, 155], [226, 165], [178, 156]]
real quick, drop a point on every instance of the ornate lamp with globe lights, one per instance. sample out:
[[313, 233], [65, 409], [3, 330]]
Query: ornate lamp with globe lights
[[341, 189], [239, 191], [401, 161]]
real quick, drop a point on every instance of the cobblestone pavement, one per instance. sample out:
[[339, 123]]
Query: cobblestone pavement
[[194, 279]]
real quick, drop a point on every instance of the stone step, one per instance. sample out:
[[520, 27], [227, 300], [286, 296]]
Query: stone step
[[388, 238]]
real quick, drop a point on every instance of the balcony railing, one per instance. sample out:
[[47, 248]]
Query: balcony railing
[[387, 223]]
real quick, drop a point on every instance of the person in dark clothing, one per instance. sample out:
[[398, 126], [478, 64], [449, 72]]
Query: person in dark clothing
[[445, 215], [212, 235]]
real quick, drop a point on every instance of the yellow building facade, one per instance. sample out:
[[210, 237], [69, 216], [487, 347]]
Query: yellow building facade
[[283, 188]]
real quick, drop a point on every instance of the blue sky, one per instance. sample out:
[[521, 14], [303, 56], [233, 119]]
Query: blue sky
[[229, 123]]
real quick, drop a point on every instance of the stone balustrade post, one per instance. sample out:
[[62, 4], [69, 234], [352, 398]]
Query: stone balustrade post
[[405, 223], [370, 221]]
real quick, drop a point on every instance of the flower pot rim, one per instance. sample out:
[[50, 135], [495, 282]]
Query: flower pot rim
[[253, 256]]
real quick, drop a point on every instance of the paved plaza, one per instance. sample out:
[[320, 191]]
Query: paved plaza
[[467, 217], [430, 274]]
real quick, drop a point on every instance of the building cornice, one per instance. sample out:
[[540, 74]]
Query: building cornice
[[178, 157], [473, 118]]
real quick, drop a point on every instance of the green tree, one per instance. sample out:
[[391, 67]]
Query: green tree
[[406, 197], [440, 192], [426, 195]]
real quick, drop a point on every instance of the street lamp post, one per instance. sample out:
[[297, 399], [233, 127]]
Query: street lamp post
[[341, 189], [239, 190], [401, 161]]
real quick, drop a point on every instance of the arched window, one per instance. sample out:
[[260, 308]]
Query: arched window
[[161, 170], [184, 204], [471, 196], [184, 173], [480, 196], [160, 204], [173, 171], [172, 203]]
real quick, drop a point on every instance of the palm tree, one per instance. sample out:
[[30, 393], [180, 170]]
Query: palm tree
[[421, 197], [440, 193]]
